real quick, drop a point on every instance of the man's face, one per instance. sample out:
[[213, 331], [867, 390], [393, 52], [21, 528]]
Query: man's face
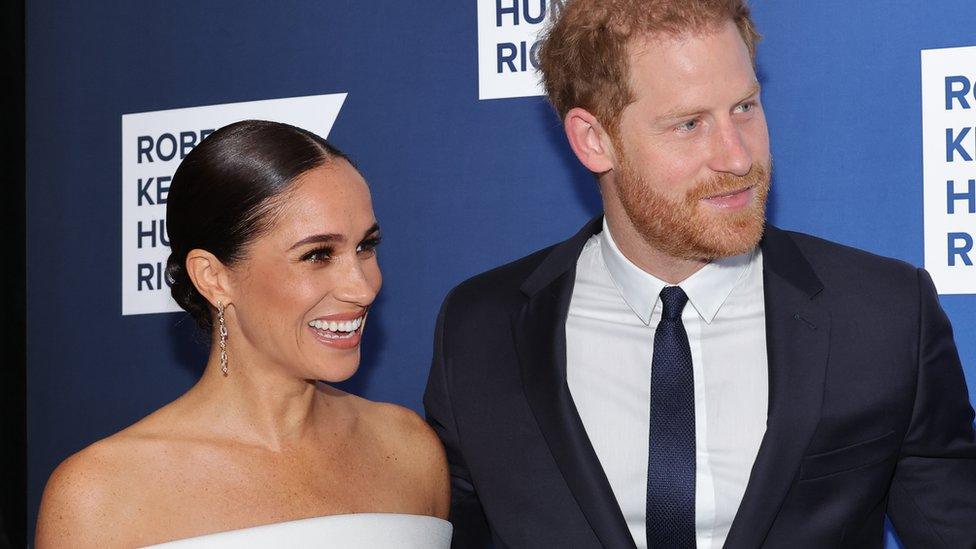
[[692, 166]]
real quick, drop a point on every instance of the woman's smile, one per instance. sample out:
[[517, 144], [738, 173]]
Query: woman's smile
[[341, 331]]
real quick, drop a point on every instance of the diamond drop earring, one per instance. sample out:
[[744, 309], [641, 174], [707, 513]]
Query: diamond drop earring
[[223, 337]]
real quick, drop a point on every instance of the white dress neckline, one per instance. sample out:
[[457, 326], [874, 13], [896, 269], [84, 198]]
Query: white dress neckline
[[359, 530]]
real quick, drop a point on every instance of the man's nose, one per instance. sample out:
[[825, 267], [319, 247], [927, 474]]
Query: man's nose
[[729, 151]]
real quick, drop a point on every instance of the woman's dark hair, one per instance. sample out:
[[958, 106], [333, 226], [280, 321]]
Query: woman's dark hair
[[224, 193]]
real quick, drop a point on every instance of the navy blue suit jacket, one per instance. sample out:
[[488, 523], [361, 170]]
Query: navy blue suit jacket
[[868, 409]]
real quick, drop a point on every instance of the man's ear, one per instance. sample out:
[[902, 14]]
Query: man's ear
[[210, 276], [589, 140]]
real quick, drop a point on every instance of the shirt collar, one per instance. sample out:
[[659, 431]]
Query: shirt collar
[[707, 289]]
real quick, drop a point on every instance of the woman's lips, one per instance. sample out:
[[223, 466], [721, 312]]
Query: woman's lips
[[339, 331], [351, 315], [732, 201]]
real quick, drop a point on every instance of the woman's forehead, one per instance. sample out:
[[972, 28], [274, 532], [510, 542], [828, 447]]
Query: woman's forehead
[[327, 199]]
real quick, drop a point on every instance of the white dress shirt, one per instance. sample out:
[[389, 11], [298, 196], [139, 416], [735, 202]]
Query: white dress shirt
[[614, 312]]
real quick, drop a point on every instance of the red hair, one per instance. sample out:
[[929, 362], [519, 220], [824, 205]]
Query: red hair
[[583, 59]]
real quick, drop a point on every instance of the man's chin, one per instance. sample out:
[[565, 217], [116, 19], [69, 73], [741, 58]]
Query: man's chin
[[720, 240]]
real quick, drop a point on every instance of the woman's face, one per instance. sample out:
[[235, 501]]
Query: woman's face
[[301, 295]]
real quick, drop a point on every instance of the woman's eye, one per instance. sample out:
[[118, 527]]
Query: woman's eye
[[318, 255], [367, 248]]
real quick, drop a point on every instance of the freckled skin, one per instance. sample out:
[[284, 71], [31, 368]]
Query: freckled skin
[[267, 443]]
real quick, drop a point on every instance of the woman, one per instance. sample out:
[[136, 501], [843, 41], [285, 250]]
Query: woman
[[273, 243]]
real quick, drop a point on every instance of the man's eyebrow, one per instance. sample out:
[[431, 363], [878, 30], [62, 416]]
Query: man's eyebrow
[[686, 112], [753, 90], [331, 238]]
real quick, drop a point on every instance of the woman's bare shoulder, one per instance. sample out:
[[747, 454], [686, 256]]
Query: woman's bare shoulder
[[393, 424], [414, 448], [85, 498], [407, 426], [89, 495]]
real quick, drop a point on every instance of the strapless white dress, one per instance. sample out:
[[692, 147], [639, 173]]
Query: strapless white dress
[[361, 530]]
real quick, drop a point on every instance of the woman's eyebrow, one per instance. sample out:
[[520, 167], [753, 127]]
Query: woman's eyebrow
[[320, 239], [331, 238]]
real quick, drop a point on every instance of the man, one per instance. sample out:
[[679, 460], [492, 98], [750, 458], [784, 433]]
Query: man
[[677, 374]]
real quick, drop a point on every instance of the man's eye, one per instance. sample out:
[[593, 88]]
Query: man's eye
[[689, 125], [745, 107]]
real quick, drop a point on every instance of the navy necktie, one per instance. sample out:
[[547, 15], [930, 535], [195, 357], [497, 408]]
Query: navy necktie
[[671, 452]]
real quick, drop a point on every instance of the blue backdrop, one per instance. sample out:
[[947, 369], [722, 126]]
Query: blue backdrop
[[460, 185]]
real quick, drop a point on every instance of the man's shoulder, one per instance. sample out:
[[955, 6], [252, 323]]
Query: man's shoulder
[[833, 262], [499, 285]]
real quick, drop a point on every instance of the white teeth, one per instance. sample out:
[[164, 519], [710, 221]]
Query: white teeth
[[337, 326]]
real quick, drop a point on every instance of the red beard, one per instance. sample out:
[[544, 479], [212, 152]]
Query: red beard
[[689, 229]]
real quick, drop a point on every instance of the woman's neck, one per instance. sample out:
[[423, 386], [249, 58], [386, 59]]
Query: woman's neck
[[255, 403]]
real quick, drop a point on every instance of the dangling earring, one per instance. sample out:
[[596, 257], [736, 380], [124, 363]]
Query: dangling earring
[[223, 337]]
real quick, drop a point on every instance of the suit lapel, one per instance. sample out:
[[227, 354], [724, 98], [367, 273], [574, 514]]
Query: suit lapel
[[540, 336], [797, 342]]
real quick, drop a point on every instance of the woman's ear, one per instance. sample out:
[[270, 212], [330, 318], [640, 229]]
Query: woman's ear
[[210, 276], [589, 140]]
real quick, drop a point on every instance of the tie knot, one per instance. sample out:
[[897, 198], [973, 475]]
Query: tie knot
[[673, 300]]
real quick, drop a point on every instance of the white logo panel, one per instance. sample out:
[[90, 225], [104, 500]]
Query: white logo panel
[[508, 46], [153, 144], [949, 154]]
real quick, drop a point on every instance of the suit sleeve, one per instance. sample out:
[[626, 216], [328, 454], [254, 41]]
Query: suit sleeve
[[932, 501], [467, 516]]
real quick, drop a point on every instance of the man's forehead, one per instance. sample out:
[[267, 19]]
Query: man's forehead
[[676, 76], [645, 42], [696, 56]]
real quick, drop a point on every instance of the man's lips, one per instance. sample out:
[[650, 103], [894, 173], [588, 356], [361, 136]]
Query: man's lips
[[731, 200]]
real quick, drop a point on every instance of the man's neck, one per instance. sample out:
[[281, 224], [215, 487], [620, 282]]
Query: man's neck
[[632, 245]]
